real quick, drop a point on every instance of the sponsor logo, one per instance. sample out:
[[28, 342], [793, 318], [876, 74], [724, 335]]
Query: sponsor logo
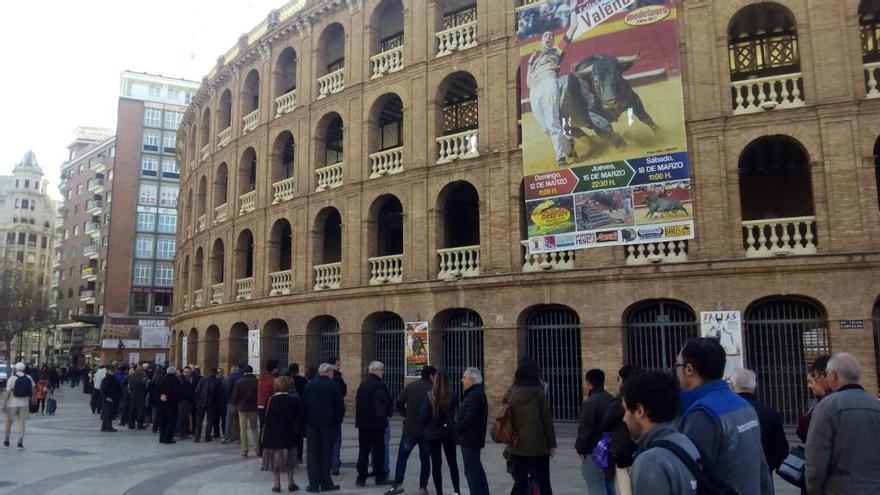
[[650, 232], [677, 230], [646, 15], [607, 236], [585, 239], [565, 241]]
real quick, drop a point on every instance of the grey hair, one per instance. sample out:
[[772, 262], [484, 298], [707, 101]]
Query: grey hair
[[375, 365], [475, 374], [744, 379], [324, 368], [170, 370], [847, 366]]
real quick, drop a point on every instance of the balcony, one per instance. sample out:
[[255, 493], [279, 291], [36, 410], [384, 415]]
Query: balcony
[[100, 165], [387, 62], [220, 213], [217, 294], [459, 262], [247, 202], [224, 138], [205, 152], [90, 251], [386, 162], [96, 185], [872, 75], [328, 276], [780, 237], [656, 252], [87, 296], [198, 298], [332, 83], [386, 269], [244, 289], [458, 146], [250, 121], [329, 177], [767, 93], [282, 190], [89, 273], [93, 229], [539, 262], [457, 38], [285, 103], [94, 206], [281, 282], [202, 222]]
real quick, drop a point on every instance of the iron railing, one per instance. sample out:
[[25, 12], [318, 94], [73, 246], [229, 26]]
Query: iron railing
[[554, 342]]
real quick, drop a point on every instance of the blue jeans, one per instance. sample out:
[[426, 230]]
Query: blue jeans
[[597, 483], [473, 471], [231, 414], [407, 444]]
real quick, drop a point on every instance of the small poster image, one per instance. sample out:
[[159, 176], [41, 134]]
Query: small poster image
[[416, 352], [726, 326], [663, 203], [600, 209], [253, 349], [550, 216]]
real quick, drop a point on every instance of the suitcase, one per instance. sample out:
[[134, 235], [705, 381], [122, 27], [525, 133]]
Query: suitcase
[[51, 406], [34, 407]]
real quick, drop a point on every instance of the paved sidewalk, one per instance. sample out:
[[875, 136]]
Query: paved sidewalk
[[66, 454]]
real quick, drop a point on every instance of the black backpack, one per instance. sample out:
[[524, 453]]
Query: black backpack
[[22, 387], [706, 483]]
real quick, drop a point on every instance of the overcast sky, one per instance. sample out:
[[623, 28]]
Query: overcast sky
[[62, 61]]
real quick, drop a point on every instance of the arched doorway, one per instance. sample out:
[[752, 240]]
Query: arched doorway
[[274, 342], [655, 331], [462, 345], [389, 345], [553, 340], [783, 335], [212, 348], [238, 346], [329, 335], [192, 347]]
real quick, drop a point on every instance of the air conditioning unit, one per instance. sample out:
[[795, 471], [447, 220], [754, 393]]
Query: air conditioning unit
[[158, 309]]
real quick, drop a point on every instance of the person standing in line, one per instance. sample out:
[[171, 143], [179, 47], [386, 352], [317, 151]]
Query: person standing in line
[[438, 415], [97, 380], [279, 433], [158, 375], [533, 421], [218, 427], [650, 401], [409, 403], [470, 430], [373, 407], [19, 395], [206, 393], [245, 397], [231, 432], [122, 407], [299, 383], [817, 383], [722, 425], [264, 391], [622, 448], [842, 457], [324, 410], [773, 439], [168, 391], [588, 433], [111, 391], [185, 406], [337, 445], [137, 395]]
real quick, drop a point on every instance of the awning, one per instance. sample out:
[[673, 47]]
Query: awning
[[75, 324]]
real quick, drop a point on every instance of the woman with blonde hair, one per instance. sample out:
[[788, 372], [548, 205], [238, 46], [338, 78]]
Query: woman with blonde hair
[[279, 433], [438, 415]]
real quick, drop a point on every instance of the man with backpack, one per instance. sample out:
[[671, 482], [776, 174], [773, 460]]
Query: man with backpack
[[19, 395], [588, 434]]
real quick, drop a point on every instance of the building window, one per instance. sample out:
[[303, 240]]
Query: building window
[[165, 248], [149, 165], [169, 143], [162, 300], [10, 238], [173, 94], [76, 230], [143, 274], [164, 275], [140, 302], [151, 140], [170, 168], [143, 247], [152, 117], [172, 119], [32, 240], [188, 97], [155, 91], [148, 194], [168, 224], [168, 197], [146, 222]]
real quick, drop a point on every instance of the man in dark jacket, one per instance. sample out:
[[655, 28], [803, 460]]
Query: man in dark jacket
[[589, 421], [817, 383], [231, 432], [245, 397], [324, 410], [409, 402], [337, 445], [470, 430], [137, 396], [773, 439], [373, 407], [206, 393], [185, 406], [111, 392], [168, 395]]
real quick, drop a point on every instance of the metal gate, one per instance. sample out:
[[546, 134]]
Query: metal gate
[[389, 351], [783, 336], [282, 343], [462, 346], [656, 331], [329, 340], [553, 340]]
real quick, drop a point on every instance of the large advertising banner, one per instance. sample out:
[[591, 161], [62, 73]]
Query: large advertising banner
[[605, 155], [726, 326], [416, 352]]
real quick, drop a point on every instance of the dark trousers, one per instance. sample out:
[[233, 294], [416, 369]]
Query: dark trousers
[[407, 444], [371, 441], [320, 451], [219, 424], [201, 412], [184, 413], [135, 412], [123, 410], [107, 413], [535, 468], [437, 449], [261, 415], [473, 471], [97, 401], [166, 417]]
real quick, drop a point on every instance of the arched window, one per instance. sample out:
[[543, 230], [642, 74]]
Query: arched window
[[221, 186], [238, 344], [247, 181], [212, 347], [218, 268], [458, 231], [202, 201], [462, 345], [279, 253], [458, 119], [869, 31], [329, 145], [250, 93], [456, 29], [206, 131], [283, 153], [192, 347], [331, 60], [386, 247], [224, 111], [655, 331], [328, 249], [553, 340], [184, 289], [285, 72], [198, 270], [244, 255], [386, 34]]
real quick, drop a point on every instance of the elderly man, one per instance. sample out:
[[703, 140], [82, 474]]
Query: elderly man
[[842, 453], [373, 407], [19, 394], [324, 410], [470, 430], [773, 438], [168, 392]]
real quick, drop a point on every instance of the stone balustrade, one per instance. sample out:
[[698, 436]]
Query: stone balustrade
[[247, 202], [459, 262], [328, 276], [225, 137], [285, 103], [217, 293], [656, 252], [202, 222], [386, 269], [387, 62], [768, 93], [386, 162], [244, 289], [329, 177], [779, 236], [250, 121], [280, 282], [538, 262], [205, 152], [458, 146], [185, 302], [197, 300], [331, 83], [872, 76], [282, 190], [220, 213], [457, 38]]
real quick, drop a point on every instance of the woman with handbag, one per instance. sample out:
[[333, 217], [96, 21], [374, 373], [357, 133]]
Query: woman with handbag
[[437, 413], [279, 433]]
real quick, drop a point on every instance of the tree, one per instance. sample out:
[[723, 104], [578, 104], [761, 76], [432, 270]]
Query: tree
[[23, 302]]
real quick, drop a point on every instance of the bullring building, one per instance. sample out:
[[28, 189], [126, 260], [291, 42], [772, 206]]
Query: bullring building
[[351, 165]]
